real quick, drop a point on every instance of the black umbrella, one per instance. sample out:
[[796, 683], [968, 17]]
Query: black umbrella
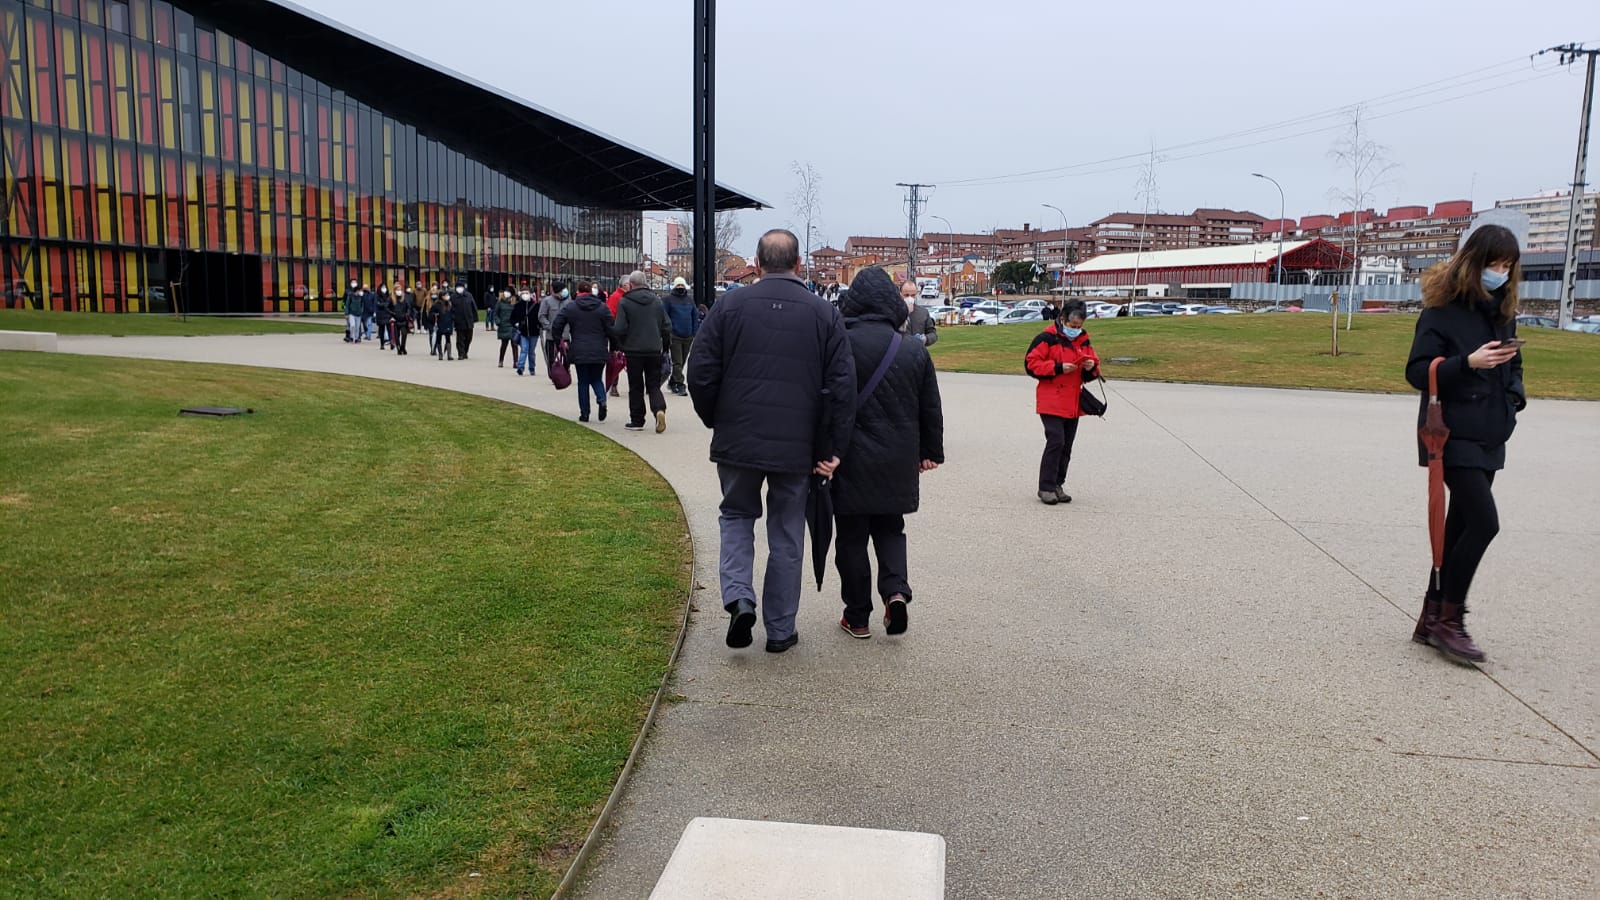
[[819, 500]]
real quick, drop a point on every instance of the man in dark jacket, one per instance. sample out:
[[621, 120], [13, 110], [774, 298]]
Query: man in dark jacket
[[642, 330], [354, 308], [464, 307], [369, 311], [771, 374], [919, 324], [899, 434], [685, 316]]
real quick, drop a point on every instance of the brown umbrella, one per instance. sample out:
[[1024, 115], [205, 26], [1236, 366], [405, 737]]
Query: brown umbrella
[[1434, 434]]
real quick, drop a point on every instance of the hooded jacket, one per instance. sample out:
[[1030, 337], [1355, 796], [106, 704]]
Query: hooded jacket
[[902, 422], [505, 324], [1480, 405], [683, 313], [588, 322], [1057, 392], [642, 326], [757, 372]]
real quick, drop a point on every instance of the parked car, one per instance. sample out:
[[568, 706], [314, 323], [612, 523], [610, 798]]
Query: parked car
[[1585, 327], [1145, 308], [993, 307], [968, 301], [1222, 311], [979, 317], [1032, 304], [1104, 292], [1012, 316], [1099, 309], [1533, 321], [1191, 309]]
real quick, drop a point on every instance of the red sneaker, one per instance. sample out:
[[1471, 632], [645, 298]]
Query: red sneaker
[[855, 631]]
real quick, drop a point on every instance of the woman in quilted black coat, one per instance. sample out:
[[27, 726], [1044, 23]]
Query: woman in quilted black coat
[[899, 434]]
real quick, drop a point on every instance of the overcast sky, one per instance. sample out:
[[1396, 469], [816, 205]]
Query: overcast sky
[[873, 92]]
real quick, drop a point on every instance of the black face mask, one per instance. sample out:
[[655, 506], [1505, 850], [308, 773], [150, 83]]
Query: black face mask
[[680, 292]]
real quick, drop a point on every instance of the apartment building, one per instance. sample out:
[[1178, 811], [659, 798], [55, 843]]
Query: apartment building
[[1547, 220], [1127, 232]]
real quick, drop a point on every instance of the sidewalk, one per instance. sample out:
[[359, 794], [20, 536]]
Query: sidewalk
[[1196, 679]]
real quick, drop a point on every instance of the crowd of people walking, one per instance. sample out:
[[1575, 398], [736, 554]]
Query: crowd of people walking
[[832, 393]]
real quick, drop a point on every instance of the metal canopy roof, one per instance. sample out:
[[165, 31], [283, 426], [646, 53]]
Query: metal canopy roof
[[561, 158]]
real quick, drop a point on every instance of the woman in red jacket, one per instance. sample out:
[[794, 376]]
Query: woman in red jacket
[[1061, 359]]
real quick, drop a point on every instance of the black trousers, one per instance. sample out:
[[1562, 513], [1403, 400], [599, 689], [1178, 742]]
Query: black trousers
[[402, 331], [1469, 527], [644, 377], [512, 343], [1059, 433], [463, 341], [888, 534]]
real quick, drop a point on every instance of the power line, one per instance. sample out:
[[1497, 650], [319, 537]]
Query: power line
[[1063, 171], [1452, 83]]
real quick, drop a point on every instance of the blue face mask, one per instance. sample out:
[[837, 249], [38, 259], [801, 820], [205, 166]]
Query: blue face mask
[[1494, 281], [1071, 334]]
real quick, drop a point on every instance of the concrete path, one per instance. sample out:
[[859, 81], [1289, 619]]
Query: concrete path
[[1195, 680]]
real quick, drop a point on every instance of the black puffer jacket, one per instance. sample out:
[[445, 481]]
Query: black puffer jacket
[[902, 423], [757, 371], [1480, 405], [587, 321]]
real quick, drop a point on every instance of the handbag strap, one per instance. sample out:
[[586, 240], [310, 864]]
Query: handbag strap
[[1433, 380], [882, 370]]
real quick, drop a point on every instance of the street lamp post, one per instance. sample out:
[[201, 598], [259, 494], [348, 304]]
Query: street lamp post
[[1063, 246], [1281, 209], [950, 230]]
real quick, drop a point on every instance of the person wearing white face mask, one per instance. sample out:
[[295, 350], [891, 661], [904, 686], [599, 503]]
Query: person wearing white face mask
[[354, 305], [1061, 360], [465, 308], [919, 324], [549, 307], [1469, 325]]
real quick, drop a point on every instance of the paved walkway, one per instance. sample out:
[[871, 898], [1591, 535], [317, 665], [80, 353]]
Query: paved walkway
[[1195, 680]]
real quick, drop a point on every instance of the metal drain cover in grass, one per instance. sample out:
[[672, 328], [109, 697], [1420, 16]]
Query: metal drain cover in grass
[[1124, 359], [214, 411]]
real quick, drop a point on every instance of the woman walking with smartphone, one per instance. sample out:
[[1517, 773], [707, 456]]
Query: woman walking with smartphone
[[1468, 322]]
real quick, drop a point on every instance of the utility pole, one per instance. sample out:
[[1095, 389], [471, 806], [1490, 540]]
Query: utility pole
[[914, 201], [1569, 271]]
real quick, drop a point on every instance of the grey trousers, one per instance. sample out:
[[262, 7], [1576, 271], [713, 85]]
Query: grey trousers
[[786, 540]]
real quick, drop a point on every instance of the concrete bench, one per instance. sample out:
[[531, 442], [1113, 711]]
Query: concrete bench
[[42, 341], [724, 859]]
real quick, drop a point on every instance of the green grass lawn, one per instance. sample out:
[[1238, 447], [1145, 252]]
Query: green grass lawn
[[158, 324], [372, 639], [1275, 350]]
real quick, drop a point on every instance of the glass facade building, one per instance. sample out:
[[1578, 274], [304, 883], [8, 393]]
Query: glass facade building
[[153, 161]]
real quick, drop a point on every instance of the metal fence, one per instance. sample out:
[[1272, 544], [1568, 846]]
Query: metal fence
[[1319, 296]]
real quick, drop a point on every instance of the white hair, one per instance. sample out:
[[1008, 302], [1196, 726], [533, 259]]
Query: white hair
[[638, 279]]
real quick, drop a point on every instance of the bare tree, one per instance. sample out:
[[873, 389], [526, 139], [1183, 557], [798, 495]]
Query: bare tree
[[1365, 166], [806, 200], [726, 231]]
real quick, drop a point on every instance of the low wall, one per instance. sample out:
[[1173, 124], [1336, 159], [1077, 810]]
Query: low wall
[[41, 341]]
